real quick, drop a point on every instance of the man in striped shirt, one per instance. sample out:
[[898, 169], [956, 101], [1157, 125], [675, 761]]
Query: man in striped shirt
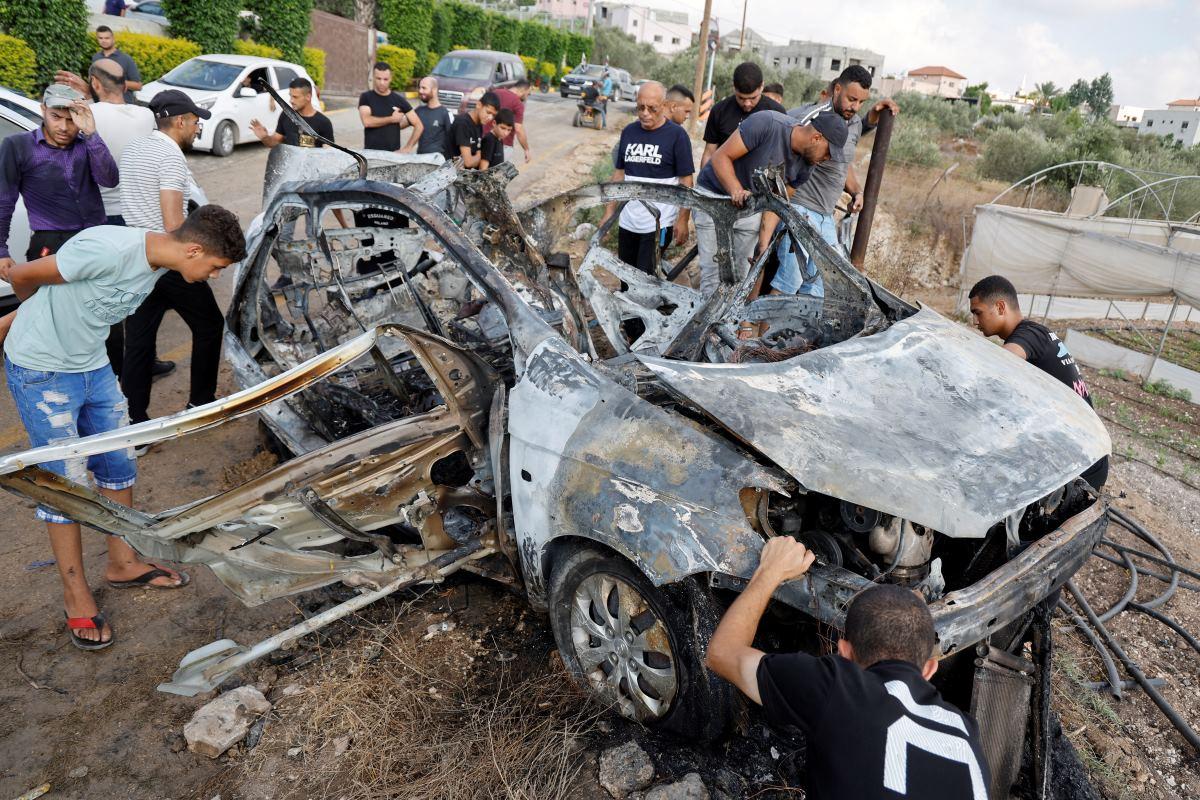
[[154, 185]]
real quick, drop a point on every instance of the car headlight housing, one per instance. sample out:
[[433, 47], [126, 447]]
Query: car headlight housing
[[207, 103]]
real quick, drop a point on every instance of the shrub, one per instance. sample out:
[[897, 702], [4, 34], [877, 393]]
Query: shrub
[[578, 46], [468, 25], [955, 119], [440, 37], [314, 64], [914, 141], [245, 47], [1012, 155], [212, 24], [506, 34], [283, 24], [56, 31], [535, 40], [155, 56], [547, 71], [402, 61], [18, 64], [531, 66], [409, 23]]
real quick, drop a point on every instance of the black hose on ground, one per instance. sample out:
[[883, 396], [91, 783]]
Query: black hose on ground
[[1115, 684]]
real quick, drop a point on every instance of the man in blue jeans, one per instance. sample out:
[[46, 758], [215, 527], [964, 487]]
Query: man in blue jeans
[[819, 195], [59, 375]]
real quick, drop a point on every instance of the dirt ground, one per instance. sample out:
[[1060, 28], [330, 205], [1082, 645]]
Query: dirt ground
[[459, 690]]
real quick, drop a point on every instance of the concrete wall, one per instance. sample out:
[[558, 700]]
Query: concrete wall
[[1178, 124], [349, 53], [826, 61]]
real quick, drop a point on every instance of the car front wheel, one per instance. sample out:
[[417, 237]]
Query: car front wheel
[[639, 649], [224, 139]]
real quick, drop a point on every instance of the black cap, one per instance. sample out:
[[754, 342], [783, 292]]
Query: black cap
[[832, 126], [173, 102]]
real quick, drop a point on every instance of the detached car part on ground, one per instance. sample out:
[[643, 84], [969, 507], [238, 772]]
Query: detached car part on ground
[[456, 394]]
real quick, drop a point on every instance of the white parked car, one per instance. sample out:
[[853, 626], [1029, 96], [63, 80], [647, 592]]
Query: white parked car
[[19, 114], [222, 84]]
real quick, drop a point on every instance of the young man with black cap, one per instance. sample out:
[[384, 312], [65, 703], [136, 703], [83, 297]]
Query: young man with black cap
[[875, 728], [727, 115], [764, 139], [154, 184], [819, 195], [466, 134]]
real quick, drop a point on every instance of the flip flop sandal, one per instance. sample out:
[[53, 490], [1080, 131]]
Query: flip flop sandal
[[144, 579], [89, 623]]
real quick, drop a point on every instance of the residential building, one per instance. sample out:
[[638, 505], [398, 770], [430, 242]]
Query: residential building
[[1179, 122], [666, 31], [563, 9], [753, 42], [826, 61], [934, 81], [1126, 116]]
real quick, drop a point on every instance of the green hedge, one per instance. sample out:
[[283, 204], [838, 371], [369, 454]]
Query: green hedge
[[18, 65], [56, 31], [409, 23], [441, 37], [402, 60], [245, 47], [314, 63], [283, 24], [212, 24], [505, 34], [155, 56], [468, 23]]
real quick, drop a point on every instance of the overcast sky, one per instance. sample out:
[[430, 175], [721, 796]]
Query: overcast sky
[[1150, 47]]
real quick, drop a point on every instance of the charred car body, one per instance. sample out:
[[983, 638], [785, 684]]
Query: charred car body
[[456, 394]]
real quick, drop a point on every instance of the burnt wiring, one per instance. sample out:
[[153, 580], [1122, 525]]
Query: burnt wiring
[[1092, 624]]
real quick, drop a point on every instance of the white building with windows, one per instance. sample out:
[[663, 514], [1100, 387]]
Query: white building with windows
[[563, 9], [826, 61], [1179, 122], [667, 32]]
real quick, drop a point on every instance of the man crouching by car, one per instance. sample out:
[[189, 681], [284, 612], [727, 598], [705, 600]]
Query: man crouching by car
[[874, 725], [63, 385]]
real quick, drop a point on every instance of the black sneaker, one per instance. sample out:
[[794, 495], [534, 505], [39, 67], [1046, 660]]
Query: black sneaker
[[161, 368]]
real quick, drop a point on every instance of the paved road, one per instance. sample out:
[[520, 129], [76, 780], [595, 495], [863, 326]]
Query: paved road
[[236, 183]]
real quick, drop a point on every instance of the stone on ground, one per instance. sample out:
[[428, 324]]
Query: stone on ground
[[690, 788], [625, 769], [224, 722]]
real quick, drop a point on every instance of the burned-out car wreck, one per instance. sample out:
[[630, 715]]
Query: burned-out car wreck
[[458, 389]]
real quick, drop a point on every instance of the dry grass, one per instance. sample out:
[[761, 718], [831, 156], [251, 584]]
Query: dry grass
[[392, 715]]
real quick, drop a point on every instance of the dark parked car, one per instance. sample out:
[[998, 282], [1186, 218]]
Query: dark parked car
[[573, 82], [461, 72]]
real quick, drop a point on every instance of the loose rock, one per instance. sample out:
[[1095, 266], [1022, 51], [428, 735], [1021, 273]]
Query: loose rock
[[224, 722], [624, 769], [690, 788], [78, 772]]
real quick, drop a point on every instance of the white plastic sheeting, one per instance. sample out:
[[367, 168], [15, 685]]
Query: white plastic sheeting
[[1043, 252]]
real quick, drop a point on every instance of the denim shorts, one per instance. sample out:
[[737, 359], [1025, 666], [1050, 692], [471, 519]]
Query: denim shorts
[[56, 407], [794, 276]]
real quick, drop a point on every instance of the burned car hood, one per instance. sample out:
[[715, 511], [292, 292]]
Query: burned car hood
[[925, 420]]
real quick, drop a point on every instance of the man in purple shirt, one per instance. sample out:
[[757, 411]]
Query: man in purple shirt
[[58, 169]]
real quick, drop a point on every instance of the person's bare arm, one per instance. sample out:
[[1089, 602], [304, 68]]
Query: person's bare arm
[[854, 188], [618, 175], [417, 129], [469, 159], [680, 233], [519, 131], [731, 653], [371, 121], [260, 130], [25, 279], [132, 86], [723, 159], [170, 202], [873, 114], [1017, 350], [709, 149]]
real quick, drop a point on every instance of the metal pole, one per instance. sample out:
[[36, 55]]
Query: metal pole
[[1163, 341], [742, 32], [879, 151], [698, 83]]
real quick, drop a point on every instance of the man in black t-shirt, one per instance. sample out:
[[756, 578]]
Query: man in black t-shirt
[[286, 131], [726, 115], [384, 112], [466, 134], [875, 727], [997, 313], [435, 118]]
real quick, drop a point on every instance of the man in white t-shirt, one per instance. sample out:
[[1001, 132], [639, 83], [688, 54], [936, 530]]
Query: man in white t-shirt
[[651, 150], [154, 186]]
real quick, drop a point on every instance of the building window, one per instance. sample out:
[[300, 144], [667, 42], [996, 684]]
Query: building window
[[1183, 125], [854, 62], [808, 62], [674, 40], [635, 23], [1149, 123], [836, 65], [657, 38]]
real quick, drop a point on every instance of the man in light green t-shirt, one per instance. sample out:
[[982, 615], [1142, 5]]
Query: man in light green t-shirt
[[57, 369]]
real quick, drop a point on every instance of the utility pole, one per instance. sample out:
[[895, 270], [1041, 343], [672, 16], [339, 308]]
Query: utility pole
[[698, 85], [742, 33]]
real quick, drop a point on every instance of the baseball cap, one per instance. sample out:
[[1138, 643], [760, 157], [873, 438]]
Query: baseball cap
[[830, 125], [59, 96], [173, 102]]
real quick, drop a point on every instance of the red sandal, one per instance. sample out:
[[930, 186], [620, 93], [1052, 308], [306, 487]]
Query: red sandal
[[89, 623]]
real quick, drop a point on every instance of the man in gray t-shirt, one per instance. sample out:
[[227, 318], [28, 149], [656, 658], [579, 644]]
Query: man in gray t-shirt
[[818, 196]]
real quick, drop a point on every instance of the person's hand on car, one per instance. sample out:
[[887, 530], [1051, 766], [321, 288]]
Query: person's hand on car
[[740, 196], [783, 559]]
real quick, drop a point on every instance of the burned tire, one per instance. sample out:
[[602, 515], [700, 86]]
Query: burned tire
[[637, 648]]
